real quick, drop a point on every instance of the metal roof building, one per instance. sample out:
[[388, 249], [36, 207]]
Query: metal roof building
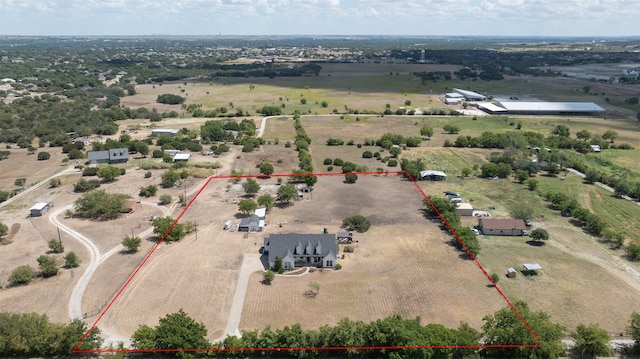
[[470, 95], [544, 108]]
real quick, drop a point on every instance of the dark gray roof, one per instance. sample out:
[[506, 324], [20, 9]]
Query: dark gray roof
[[300, 244], [98, 155], [251, 221]]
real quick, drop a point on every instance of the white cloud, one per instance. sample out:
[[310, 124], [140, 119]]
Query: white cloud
[[486, 17]]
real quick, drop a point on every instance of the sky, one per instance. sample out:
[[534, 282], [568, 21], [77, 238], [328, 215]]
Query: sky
[[589, 18]]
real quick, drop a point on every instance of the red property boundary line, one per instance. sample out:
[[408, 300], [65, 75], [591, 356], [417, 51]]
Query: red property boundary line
[[424, 195]]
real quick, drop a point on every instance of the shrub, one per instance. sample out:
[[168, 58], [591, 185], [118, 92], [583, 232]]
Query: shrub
[[351, 177], [85, 186], [48, 265], [348, 249], [54, 182], [43, 156], [21, 275], [356, 223], [367, 154], [71, 260], [148, 191], [335, 142], [338, 266], [90, 171], [327, 161], [56, 246], [170, 99], [147, 174], [165, 199], [392, 163], [338, 162]]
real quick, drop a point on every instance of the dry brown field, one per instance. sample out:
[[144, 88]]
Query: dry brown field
[[403, 265], [20, 164]]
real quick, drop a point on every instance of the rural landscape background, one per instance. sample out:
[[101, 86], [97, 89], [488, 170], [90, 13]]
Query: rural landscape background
[[349, 123]]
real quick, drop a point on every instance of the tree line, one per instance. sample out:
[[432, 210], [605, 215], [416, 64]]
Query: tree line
[[503, 335]]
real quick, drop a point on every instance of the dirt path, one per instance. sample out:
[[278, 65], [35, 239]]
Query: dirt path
[[67, 171], [602, 257], [608, 188]]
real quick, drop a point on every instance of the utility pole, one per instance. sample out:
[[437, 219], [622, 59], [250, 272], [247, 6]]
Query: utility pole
[[184, 199], [59, 237]]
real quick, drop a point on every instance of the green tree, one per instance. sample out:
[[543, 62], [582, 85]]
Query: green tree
[[266, 169], [561, 131], [21, 275], [100, 205], [148, 191], [356, 223], [634, 331], [168, 226], [144, 338], [592, 340], [20, 182], [75, 154], [583, 135], [71, 260], [532, 184], [426, 131], [84, 185], [132, 243], [175, 331], [169, 178], [495, 277], [521, 211], [309, 180], [165, 199], [251, 187], [633, 251], [74, 332], [48, 265], [393, 151], [451, 129], [56, 246], [539, 234], [3, 229], [440, 205], [610, 135], [43, 156], [466, 171], [108, 173], [504, 327], [268, 276], [170, 99], [521, 176], [54, 182], [247, 206], [266, 201], [350, 177], [286, 193]]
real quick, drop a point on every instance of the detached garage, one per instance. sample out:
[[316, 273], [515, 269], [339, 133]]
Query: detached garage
[[464, 209], [39, 209]]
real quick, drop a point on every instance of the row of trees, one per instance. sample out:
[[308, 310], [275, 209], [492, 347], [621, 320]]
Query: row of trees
[[443, 209], [502, 336], [31, 334]]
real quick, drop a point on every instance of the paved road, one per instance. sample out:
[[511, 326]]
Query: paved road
[[263, 125], [95, 260], [250, 264]]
